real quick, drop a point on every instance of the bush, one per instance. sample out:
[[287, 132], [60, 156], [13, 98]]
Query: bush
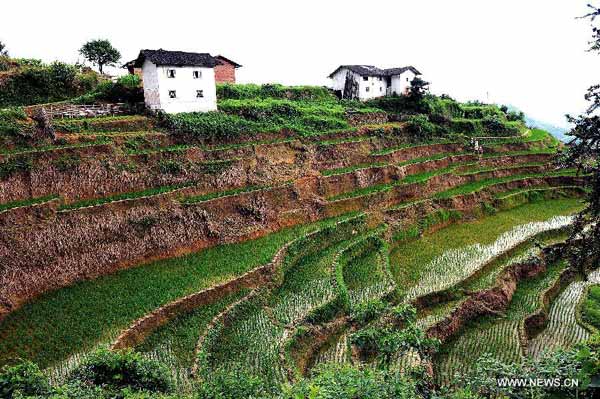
[[365, 312], [14, 165], [13, 121], [23, 379], [254, 91], [232, 384], [127, 89], [419, 127], [346, 382], [208, 125], [33, 83], [124, 369]]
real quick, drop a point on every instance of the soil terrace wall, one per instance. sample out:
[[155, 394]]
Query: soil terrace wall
[[87, 243], [52, 250], [494, 300]]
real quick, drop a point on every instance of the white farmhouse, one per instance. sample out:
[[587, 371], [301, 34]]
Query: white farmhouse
[[177, 81], [364, 82]]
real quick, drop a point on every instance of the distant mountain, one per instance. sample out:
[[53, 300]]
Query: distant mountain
[[558, 132]]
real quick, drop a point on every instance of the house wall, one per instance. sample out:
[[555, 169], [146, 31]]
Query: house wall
[[225, 73], [401, 83], [157, 86], [339, 79], [373, 87], [151, 86], [377, 88]]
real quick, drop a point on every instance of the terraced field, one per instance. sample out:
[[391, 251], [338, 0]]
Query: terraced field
[[271, 251]]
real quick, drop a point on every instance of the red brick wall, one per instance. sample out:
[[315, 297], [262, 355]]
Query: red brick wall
[[225, 73]]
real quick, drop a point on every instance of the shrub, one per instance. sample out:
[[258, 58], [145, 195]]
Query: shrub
[[419, 127], [123, 369], [14, 165], [208, 125], [23, 379], [365, 312], [254, 91], [170, 167], [127, 89], [346, 382], [67, 162], [32, 83], [14, 121], [232, 384]]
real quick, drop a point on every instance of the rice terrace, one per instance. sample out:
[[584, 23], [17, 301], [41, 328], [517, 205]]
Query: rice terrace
[[172, 233]]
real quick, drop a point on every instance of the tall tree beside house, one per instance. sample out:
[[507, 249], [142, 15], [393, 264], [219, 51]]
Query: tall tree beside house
[[584, 153], [100, 52]]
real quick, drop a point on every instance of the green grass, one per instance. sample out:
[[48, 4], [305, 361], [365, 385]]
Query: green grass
[[206, 197], [353, 168], [45, 148], [77, 318], [434, 157], [591, 306], [408, 258], [27, 202], [386, 151], [480, 184], [180, 336], [498, 336], [123, 196], [488, 275], [479, 169], [416, 178]]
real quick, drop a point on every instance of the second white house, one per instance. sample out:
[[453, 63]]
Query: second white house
[[364, 82], [177, 81]]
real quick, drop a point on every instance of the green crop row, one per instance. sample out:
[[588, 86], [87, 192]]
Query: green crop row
[[77, 318]]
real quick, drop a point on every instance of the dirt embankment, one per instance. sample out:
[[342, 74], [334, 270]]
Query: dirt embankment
[[494, 301], [42, 250]]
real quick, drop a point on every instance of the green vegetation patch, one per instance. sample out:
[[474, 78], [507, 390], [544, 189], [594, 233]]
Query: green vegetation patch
[[176, 340], [77, 318], [27, 202], [496, 336], [408, 258], [127, 123], [124, 196], [218, 194], [591, 306]]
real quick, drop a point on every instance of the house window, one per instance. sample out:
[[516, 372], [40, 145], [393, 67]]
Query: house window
[[407, 80], [199, 93], [365, 78], [170, 73], [172, 94], [197, 74], [368, 88], [380, 88]]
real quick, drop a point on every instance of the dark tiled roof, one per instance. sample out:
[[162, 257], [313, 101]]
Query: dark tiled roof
[[370, 70], [176, 58], [227, 60]]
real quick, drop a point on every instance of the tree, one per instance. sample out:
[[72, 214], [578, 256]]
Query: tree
[[100, 52], [416, 94], [3, 51], [584, 154], [418, 89]]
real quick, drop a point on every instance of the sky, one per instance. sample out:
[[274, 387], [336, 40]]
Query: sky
[[527, 53]]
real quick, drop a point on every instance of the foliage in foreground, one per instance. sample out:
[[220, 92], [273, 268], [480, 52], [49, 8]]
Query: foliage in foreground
[[128, 375]]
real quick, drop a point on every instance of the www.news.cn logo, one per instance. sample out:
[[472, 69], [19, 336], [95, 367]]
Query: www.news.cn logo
[[538, 382]]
